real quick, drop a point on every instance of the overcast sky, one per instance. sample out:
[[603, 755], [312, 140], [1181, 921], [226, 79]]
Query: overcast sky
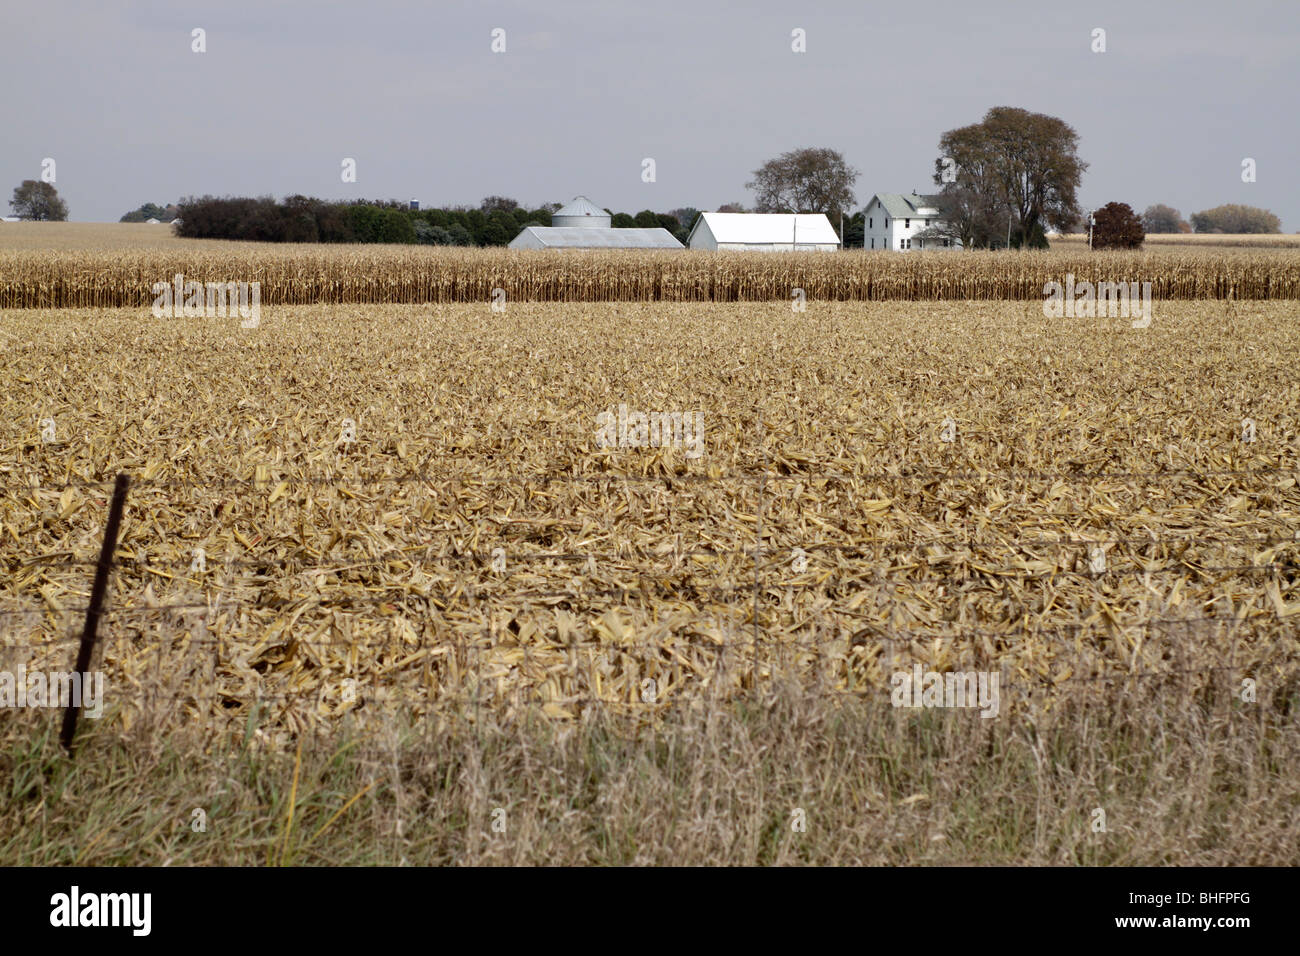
[[586, 90]]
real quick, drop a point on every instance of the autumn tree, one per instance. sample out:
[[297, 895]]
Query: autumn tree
[[1162, 218], [1117, 226], [1235, 218]]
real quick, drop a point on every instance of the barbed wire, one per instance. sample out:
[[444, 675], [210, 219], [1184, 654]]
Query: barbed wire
[[878, 632], [865, 548], [395, 594]]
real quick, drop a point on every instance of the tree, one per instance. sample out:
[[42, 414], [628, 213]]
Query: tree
[[1012, 168], [732, 207], [1162, 218], [493, 203], [460, 236], [686, 216], [805, 180], [39, 201], [646, 219], [621, 220], [1235, 218], [1116, 226], [149, 211]]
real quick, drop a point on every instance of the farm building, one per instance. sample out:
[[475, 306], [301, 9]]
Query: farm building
[[579, 237], [582, 213], [584, 225], [901, 222], [763, 232]]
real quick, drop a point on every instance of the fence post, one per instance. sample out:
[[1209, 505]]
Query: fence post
[[96, 603]]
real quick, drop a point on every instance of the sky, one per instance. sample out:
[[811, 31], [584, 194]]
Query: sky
[[584, 92]]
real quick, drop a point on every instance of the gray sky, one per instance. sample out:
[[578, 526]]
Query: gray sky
[[586, 90]]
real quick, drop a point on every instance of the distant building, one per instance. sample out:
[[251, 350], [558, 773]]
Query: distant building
[[414, 205], [176, 222], [896, 221], [580, 237], [581, 213], [151, 222], [763, 232], [10, 219], [584, 225]]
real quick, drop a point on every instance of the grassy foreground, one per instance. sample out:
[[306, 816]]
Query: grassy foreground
[[1205, 781]]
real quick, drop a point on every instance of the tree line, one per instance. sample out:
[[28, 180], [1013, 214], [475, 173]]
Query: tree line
[[494, 222]]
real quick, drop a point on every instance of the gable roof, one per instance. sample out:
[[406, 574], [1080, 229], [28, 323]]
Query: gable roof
[[910, 205], [578, 237], [769, 228]]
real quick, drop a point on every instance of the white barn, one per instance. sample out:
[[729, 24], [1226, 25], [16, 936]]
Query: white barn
[[893, 221], [763, 232]]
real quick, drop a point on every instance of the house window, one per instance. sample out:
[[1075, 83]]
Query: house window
[[907, 224], [886, 222], [927, 222], [946, 243], [870, 225], [873, 242]]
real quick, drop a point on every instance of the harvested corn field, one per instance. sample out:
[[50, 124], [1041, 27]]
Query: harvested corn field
[[315, 275], [635, 508]]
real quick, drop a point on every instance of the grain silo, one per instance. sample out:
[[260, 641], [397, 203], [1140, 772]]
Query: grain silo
[[583, 214]]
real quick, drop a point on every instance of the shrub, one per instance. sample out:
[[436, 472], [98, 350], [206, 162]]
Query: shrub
[[1117, 226]]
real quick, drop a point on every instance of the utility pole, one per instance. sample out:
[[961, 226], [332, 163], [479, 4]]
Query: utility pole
[[1090, 222]]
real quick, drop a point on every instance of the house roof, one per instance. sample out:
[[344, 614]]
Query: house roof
[[769, 228], [577, 237], [909, 205]]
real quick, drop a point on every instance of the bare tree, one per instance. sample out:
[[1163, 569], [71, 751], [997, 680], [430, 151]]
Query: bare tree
[[805, 180]]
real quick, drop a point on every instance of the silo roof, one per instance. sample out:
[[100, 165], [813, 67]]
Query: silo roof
[[581, 206]]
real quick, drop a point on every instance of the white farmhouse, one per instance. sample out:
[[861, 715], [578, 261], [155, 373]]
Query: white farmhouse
[[763, 232], [893, 221]]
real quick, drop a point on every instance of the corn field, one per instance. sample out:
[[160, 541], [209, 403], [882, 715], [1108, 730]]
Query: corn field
[[324, 275], [409, 505]]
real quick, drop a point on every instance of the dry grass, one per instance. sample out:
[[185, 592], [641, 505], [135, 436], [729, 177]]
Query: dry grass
[[1182, 781]]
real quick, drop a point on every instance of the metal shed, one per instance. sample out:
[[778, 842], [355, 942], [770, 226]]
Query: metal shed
[[587, 237]]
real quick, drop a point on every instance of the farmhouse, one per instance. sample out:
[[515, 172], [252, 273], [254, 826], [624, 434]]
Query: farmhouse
[[901, 222], [584, 225], [763, 232]]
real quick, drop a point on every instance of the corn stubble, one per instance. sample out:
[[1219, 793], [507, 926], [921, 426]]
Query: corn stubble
[[359, 577]]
